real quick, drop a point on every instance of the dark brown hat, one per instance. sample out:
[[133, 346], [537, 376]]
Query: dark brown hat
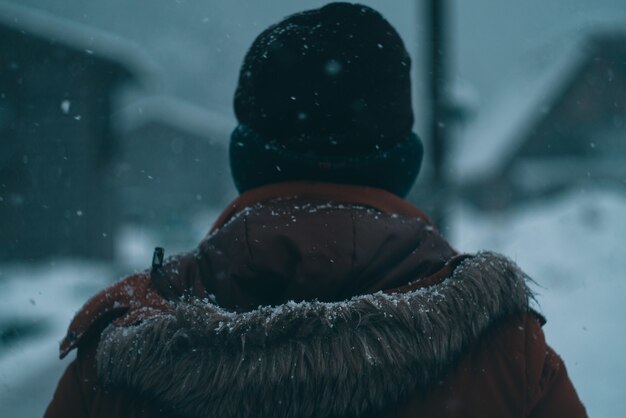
[[330, 83]]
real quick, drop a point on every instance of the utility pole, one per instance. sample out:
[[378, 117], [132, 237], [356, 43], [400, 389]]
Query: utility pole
[[436, 58]]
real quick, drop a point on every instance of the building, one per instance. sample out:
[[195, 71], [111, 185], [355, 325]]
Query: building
[[58, 86], [173, 162], [560, 124]]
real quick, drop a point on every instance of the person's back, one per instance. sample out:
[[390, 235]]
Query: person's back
[[319, 292]]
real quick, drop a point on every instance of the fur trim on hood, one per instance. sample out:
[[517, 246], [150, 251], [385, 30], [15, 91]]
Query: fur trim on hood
[[311, 359]]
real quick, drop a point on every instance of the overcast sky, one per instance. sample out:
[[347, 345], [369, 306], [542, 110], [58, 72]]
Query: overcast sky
[[200, 44]]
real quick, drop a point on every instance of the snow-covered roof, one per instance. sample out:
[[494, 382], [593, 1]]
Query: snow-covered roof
[[104, 46], [202, 122], [491, 140]]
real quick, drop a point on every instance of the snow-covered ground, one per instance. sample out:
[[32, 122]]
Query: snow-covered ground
[[574, 247], [37, 302]]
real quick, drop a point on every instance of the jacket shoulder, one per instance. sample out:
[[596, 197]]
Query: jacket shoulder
[[550, 392], [127, 301], [135, 298]]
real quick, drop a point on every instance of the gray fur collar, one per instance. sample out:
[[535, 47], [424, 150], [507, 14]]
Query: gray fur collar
[[311, 359]]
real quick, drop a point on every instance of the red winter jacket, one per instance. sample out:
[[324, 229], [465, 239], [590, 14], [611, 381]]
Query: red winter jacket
[[316, 300]]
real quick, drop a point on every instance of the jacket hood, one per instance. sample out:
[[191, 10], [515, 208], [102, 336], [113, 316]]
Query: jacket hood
[[311, 358], [303, 248], [286, 242]]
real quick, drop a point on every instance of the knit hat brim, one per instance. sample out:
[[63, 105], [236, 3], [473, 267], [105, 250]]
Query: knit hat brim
[[256, 161]]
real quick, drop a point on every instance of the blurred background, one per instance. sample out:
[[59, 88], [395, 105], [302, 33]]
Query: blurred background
[[115, 118]]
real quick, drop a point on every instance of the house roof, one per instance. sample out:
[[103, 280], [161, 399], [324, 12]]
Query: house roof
[[492, 139], [129, 59], [212, 124]]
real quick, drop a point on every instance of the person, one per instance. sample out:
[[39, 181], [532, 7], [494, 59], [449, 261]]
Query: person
[[320, 291]]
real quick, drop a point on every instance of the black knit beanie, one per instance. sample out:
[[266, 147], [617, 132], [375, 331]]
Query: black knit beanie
[[325, 95]]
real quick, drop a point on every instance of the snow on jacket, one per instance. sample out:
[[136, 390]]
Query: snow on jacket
[[316, 300]]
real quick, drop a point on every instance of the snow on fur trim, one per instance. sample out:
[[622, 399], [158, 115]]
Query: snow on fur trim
[[311, 359]]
